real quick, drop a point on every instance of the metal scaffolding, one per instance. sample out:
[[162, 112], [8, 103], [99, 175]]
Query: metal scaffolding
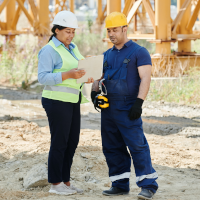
[[38, 16], [148, 19]]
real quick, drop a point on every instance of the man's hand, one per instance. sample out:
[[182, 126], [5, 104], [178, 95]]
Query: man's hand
[[93, 95], [90, 80], [136, 110]]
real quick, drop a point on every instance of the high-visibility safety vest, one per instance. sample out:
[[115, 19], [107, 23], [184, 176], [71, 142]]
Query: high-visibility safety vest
[[68, 90]]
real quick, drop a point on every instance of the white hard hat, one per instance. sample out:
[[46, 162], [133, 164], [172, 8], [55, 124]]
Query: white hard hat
[[66, 19]]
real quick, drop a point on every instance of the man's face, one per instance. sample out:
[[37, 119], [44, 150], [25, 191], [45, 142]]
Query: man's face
[[116, 34]]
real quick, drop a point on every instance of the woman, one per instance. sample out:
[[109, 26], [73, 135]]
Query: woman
[[61, 98]]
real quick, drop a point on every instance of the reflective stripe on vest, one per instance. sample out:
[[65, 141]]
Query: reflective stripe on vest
[[62, 89]]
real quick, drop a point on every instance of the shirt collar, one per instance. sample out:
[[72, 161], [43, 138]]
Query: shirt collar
[[58, 43], [127, 44]]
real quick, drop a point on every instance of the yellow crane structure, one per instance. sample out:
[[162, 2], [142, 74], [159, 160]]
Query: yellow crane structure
[[164, 30], [38, 16], [155, 15]]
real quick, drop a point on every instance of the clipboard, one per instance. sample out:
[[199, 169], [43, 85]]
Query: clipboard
[[93, 67]]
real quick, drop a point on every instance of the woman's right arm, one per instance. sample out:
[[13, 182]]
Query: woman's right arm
[[46, 67]]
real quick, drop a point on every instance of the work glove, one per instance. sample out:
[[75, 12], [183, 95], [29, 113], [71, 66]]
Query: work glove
[[93, 95], [95, 101], [136, 110]]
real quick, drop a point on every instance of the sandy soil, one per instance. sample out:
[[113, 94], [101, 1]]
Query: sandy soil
[[173, 133]]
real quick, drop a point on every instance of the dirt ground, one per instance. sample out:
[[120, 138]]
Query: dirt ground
[[173, 133], [172, 130]]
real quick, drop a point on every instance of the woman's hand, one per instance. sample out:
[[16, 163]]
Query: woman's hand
[[90, 80], [73, 73], [77, 73]]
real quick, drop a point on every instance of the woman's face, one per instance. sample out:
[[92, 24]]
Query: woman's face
[[65, 35]]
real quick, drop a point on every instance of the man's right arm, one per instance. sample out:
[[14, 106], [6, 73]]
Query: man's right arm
[[95, 89], [95, 85]]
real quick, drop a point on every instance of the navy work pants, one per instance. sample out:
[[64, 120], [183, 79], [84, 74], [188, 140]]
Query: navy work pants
[[118, 134], [64, 123]]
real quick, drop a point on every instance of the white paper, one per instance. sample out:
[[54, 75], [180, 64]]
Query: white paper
[[93, 67]]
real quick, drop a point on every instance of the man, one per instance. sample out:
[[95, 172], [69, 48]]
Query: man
[[127, 74]]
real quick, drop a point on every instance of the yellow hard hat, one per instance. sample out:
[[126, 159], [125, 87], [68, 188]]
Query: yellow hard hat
[[116, 19]]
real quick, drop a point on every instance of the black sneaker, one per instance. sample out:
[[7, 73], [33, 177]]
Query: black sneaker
[[145, 194], [114, 191]]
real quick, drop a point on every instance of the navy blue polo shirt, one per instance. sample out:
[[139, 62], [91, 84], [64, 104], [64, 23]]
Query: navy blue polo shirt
[[139, 58]]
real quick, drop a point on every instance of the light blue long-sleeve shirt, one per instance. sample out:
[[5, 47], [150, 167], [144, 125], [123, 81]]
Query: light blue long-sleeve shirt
[[49, 59]]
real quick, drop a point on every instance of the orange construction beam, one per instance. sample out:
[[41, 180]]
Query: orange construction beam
[[2, 25], [57, 6], [72, 6], [3, 5], [127, 7], [103, 14], [180, 15], [133, 10], [13, 32], [16, 18], [162, 26], [21, 4], [43, 8], [10, 14], [99, 10], [184, 46], [150, 11], [113, 6], [194, 16], [33, 9]]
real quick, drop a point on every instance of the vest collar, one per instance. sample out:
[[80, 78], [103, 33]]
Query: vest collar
[[58, 43]]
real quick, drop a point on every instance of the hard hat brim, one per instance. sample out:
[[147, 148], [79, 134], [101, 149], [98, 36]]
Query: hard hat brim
[[116, 26], [66, 26]]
